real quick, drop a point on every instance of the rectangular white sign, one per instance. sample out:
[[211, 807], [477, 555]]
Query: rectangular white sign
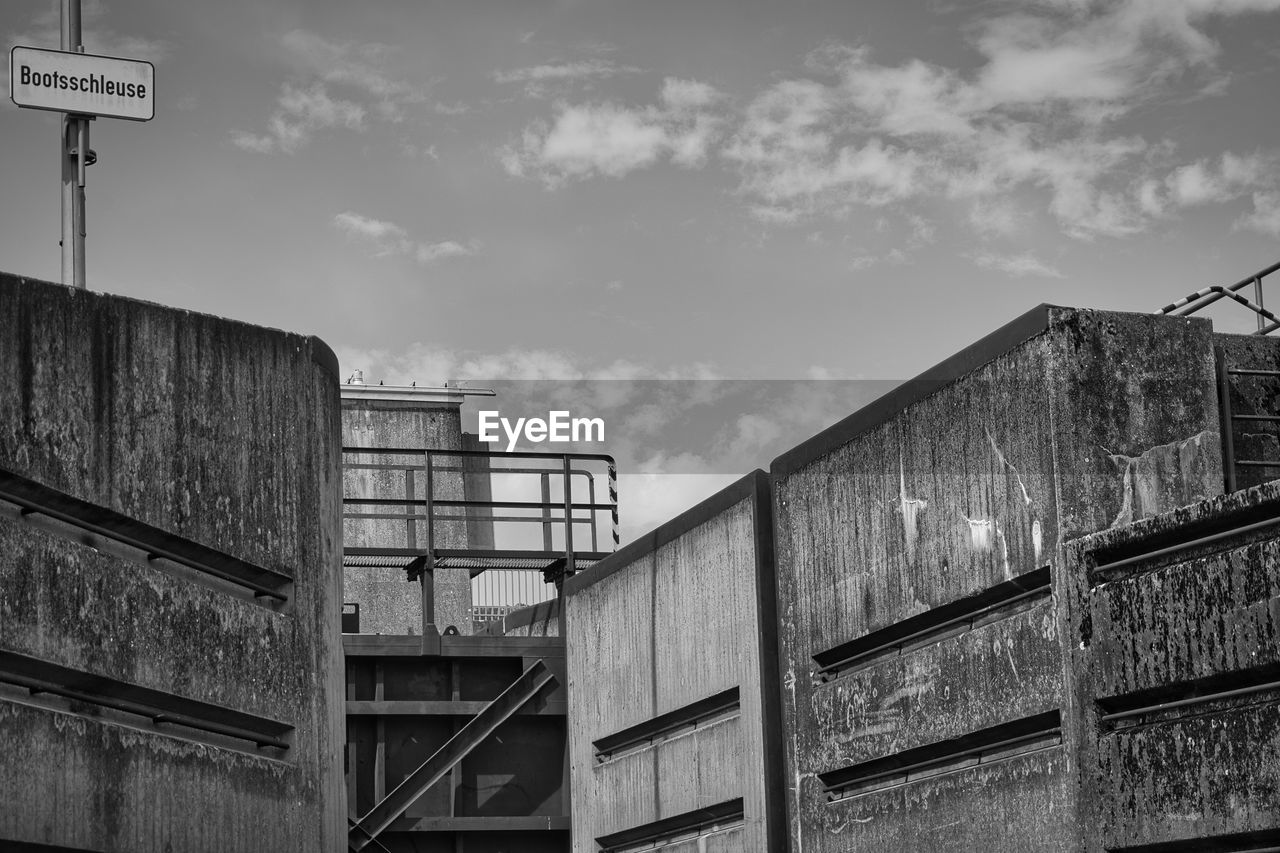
[[82, 83]]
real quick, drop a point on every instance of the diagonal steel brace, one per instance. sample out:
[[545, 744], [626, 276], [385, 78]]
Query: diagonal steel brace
[[536, 681]]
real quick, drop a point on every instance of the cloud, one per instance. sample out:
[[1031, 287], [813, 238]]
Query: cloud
[[1037, 115], [1036, 128], [429, 253], [1020, 265], [680, 94], [431, 365], [387, 236], [995, 217], [388, 239], [865, 260], [1207, 181], [541, 80], [362, 68], [298, 114], [367, 91], [455, 109], [1265, 217], [611, 140], [560, 71]]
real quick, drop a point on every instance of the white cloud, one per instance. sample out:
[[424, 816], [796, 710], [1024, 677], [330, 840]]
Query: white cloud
[[1033, 129], [611, 140], [387, 239], [1019, 265], [362, 68], [560, 71], [357, 72], [428, 253], [433, 365], [1265, 217], [1207, 181], [995, 217], [298, 114], [680, 94], [541, 80]]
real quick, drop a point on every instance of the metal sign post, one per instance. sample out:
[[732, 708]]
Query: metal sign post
[[82, 87], [74, 152]]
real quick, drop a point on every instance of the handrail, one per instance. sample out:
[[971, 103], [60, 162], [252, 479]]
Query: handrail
[[1194, 302], [496, 454], [563, 512]]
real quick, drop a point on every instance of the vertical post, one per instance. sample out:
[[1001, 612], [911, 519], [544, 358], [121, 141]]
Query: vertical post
[[546, 510], [428, 571], [591, 498], [380, 732], [411, 516], [569, 568], [1257, 297], [74, 148], [613, 501]]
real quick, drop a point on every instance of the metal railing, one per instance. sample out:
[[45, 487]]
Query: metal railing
[[1203, 298], [429, 521]]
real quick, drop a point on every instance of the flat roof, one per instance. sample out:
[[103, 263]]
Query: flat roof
[[412, 393]]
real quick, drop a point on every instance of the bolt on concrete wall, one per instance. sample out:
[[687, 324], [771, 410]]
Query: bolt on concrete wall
[[917, 629], [223, 435], [672, 700]]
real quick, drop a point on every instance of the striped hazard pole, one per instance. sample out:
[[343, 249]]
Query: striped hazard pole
[[613, 500]]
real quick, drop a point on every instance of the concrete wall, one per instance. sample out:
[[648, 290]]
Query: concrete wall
[[1197, 633], [665, 623], [1062, 423], [388, 603], [227, 435]]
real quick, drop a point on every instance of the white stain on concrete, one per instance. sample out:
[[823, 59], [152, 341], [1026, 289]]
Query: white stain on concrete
[[911, 509], [981, 533], [1158, 479], [995, 448]]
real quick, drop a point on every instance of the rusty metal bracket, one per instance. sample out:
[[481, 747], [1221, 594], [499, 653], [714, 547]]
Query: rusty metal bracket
[[536, 681]]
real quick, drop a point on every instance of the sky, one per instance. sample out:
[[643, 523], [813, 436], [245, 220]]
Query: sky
[[730, 189]]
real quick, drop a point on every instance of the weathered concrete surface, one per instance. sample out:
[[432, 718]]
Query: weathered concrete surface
[[958, 685], [226, 434], [1210, 615], [1194, 623], [388, 603], [1064, 423], [662, 624], [969, 810]]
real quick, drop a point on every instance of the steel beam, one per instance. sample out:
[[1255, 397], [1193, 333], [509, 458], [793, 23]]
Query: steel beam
[[535, 681]]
